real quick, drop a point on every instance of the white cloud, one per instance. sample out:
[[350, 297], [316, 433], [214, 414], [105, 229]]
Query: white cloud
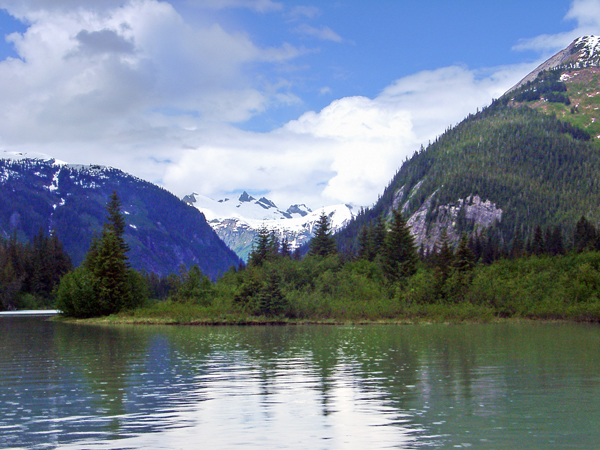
[[84, 74], [323, 33], [348, 151]]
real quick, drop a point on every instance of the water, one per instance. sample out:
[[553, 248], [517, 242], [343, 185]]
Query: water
[[534, 386]]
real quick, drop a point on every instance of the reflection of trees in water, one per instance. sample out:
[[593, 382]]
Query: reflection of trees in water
[[136, 379], [104, 358]]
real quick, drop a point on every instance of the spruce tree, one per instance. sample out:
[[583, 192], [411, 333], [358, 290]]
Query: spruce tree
[[261, 247], [444, 260], [463, 258], [323, 242], [104, 284], [399, 256]]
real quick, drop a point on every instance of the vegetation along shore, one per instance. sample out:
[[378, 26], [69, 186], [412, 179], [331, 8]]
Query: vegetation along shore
[[389, 280]]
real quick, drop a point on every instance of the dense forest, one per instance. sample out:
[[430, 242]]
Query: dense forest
[[30, 272]]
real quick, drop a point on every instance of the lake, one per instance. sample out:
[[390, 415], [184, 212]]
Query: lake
[[498, 386]]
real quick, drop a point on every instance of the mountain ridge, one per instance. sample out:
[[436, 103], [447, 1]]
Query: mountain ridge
[[162, 232], [237, 222]]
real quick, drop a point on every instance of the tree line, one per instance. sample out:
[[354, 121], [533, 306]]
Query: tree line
[[30, 272]]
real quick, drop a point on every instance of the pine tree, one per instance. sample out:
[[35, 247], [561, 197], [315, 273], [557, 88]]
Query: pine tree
[[115, 220], [323, 242], [378, 235], [286, 248], [537, 244], [399, 256]]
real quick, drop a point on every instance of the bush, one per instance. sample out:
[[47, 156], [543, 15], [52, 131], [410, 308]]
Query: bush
[[77, 295]]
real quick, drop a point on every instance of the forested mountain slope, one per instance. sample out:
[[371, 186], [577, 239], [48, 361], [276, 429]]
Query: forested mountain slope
[[162, 231], [507, 168], [532, 158]]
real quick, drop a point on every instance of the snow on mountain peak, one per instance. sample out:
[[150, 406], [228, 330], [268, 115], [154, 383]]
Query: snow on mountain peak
[[588, 47], [237, 222]]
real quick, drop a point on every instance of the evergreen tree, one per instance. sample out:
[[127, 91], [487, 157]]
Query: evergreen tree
[[444, 260], [399, 256], [518, 248], [323, 242], [365, 243], [585, 236], [104, 284], [537, 244], [378, 235], [557, 246], [261, 248], [464, 260], [115, 221], [286, 248]]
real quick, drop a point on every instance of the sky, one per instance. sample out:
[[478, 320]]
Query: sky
[[302, 102]]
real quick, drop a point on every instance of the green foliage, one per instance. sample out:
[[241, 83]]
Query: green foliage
[[265, 247], [77, 295], [191, 286]]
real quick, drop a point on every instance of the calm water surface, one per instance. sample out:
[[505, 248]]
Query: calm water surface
[[530, 386]]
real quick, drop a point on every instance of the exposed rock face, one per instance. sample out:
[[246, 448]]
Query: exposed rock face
[[481, 214]]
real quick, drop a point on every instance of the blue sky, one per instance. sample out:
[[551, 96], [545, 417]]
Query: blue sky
[[315, 103]]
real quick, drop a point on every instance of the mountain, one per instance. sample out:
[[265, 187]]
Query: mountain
[[531, 158], [237, 221], [162, 231], [567, 86]]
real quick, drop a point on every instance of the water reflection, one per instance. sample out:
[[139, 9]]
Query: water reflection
[[298, 387]]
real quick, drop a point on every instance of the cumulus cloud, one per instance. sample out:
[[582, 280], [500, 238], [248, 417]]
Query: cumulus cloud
[[348, 151], [84, 74]]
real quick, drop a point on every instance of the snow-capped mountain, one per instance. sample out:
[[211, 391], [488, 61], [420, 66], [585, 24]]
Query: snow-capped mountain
[[237, 221]]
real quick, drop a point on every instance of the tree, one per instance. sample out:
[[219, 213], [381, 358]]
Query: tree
[[463, 258], [444, 260], [104, 284], [261, 247], [365, 243], [399, 256], [323, 242], [538, 245], [115, 221], [585, 236]]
